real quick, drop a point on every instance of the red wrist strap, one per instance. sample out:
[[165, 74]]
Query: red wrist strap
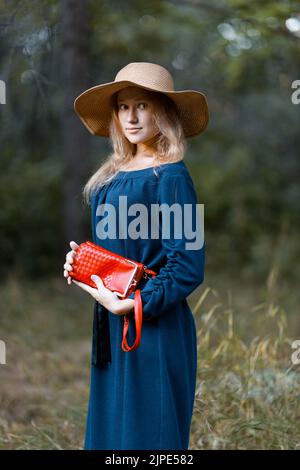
[[138, 316]]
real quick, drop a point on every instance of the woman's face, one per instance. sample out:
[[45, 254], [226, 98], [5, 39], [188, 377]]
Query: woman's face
[[135, 110]]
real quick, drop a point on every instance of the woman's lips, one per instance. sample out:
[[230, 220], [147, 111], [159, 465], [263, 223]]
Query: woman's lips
[[133, 131]]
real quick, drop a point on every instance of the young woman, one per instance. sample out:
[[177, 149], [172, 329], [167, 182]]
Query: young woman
[[144, 399]]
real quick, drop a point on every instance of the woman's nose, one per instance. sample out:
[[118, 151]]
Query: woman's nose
[[131, 116]]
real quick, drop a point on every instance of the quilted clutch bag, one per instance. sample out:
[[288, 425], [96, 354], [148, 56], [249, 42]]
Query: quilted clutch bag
[[120, 275]]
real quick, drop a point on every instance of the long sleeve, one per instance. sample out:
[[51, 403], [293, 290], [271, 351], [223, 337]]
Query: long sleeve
[[183, 247]]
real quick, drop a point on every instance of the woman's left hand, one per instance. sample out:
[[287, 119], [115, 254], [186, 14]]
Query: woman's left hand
[[106, 297]]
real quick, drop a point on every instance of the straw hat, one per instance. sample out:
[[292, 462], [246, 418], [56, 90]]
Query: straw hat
[[94, 107]]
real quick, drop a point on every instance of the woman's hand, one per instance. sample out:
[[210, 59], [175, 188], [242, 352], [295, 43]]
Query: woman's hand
[[106, 297], [69, 260]]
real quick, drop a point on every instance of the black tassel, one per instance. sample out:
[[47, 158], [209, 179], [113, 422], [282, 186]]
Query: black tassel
[[101, 349], [101, 352]]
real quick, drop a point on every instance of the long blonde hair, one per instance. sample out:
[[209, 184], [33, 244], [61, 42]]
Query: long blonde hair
[[170, 145]]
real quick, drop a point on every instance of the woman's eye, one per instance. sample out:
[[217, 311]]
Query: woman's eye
[[140, 105]]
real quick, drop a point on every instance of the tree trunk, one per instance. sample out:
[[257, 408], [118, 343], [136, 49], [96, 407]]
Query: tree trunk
[[76, 138]]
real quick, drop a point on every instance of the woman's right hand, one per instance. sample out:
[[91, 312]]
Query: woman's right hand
[[69, 260]]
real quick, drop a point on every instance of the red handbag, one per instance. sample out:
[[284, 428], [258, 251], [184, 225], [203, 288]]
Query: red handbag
[[120, 275]]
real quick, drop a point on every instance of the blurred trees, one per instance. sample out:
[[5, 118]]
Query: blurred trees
[[74, 67], [243, 55]]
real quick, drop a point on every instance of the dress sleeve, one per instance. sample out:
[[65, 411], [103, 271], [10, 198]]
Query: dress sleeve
[[183, 247]]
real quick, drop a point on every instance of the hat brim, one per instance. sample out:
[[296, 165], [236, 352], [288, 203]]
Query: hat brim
[[93, 107]]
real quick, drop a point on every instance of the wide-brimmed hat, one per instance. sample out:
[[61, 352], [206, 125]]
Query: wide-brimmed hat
[[94, 105]]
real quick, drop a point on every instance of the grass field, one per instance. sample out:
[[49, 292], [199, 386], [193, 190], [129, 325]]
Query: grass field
[[248, 390]]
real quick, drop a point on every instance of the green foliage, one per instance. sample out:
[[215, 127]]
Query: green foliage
[[245, 166]]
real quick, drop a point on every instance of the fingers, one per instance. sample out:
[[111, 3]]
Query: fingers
[[69, 260], [74, 245], [103, 295], [68, 267], [103, 291], [66, 275], [98, 281], [70, 256]]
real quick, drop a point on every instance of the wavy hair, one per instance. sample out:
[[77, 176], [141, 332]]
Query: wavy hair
[[170, 145]]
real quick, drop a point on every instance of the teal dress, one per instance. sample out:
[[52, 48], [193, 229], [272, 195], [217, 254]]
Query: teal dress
[[143, 399]]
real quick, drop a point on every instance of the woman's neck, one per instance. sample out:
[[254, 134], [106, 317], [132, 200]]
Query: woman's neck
[[139, 162], [147, 149]]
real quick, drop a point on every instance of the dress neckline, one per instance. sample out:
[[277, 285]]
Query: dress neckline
[[144, 170]]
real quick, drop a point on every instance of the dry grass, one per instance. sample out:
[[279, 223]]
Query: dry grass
[[44, 384], [248, 390]]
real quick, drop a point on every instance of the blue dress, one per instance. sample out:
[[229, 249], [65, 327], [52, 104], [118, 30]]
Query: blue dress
[[143, 399]]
